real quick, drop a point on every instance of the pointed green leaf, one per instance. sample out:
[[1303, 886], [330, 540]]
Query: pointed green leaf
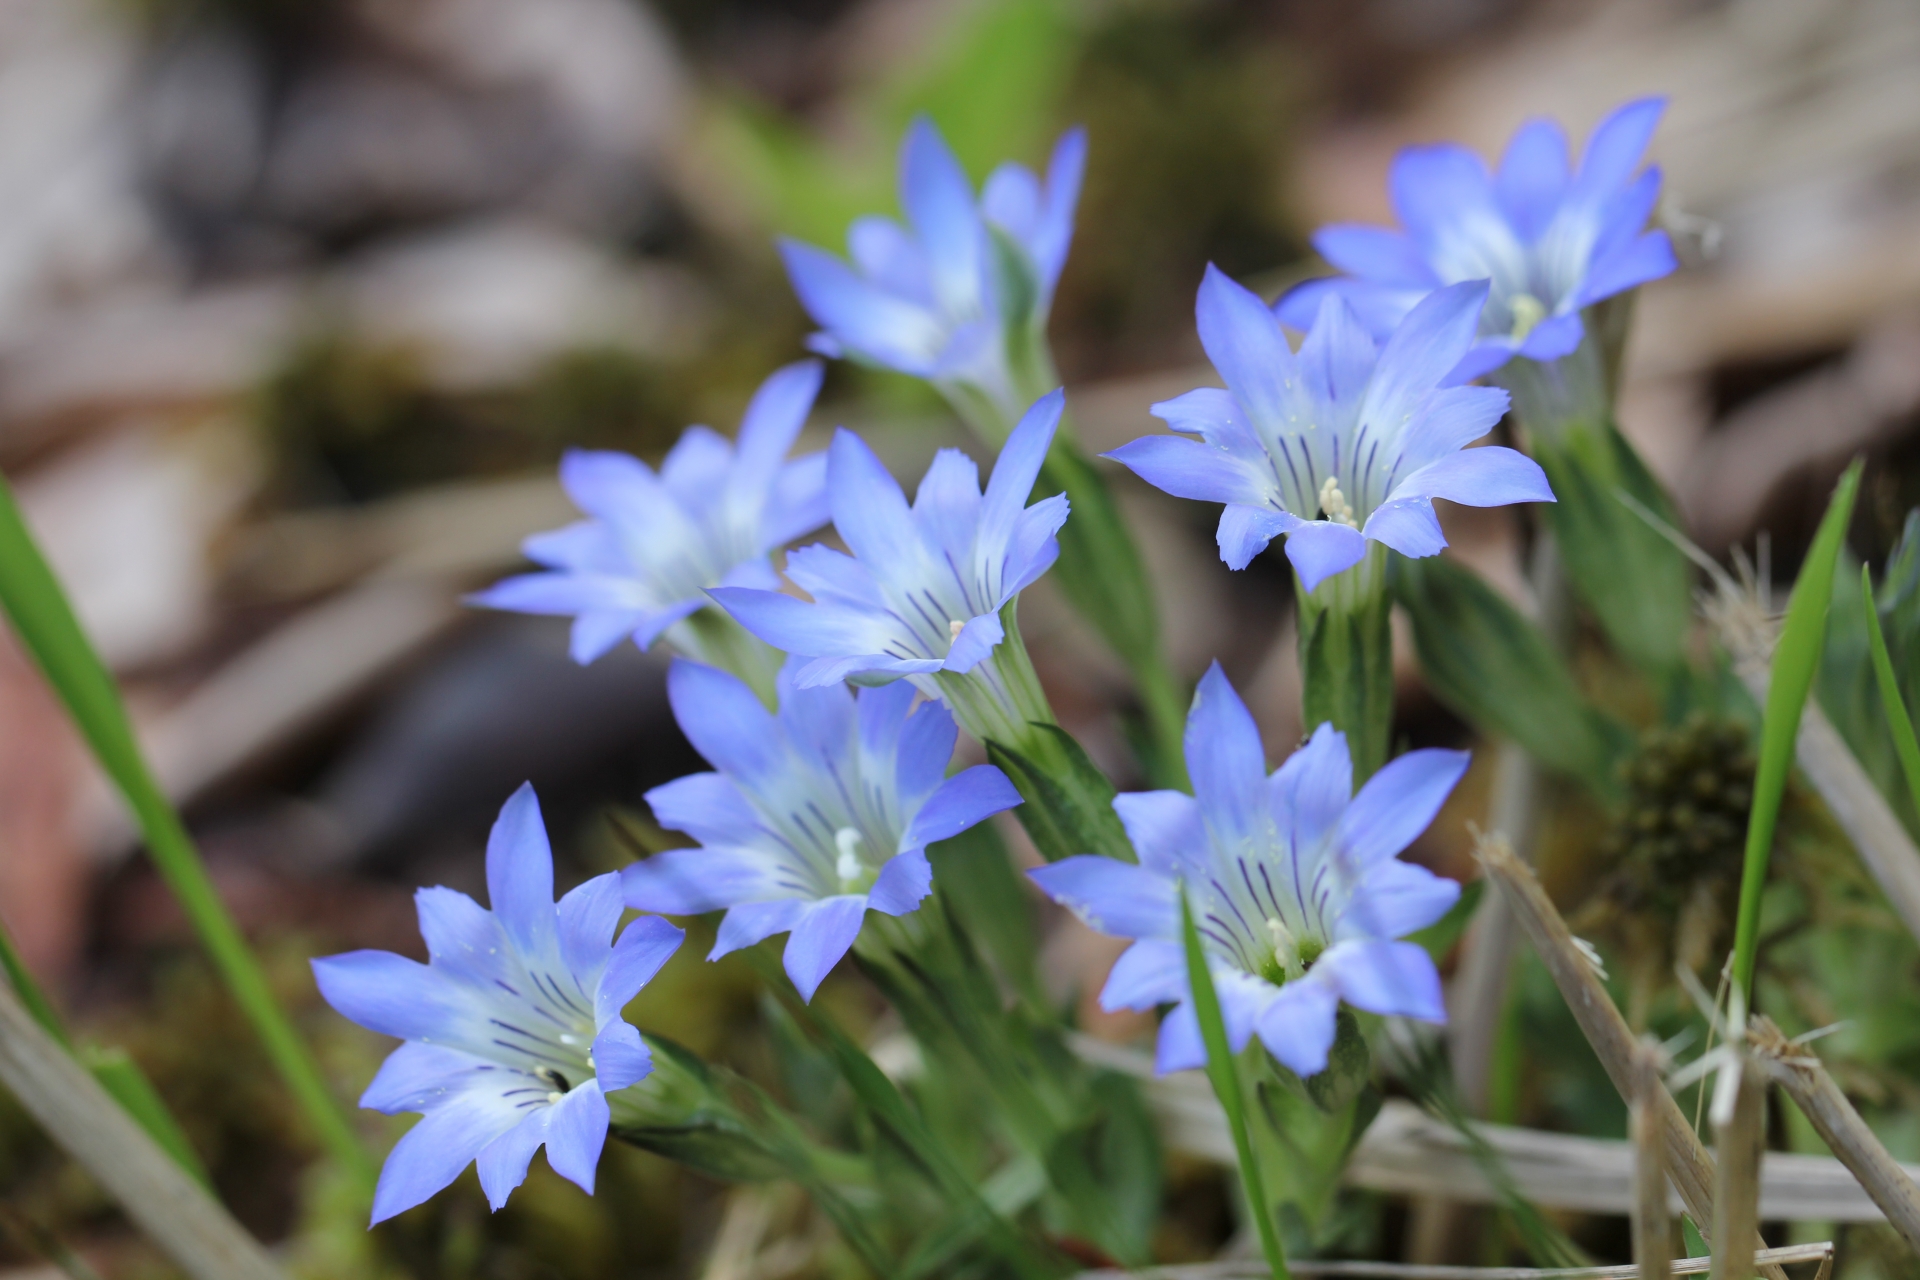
[[1068, 805], [1795, 659]]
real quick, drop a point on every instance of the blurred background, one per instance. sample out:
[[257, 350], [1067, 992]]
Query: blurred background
[[300, 301]]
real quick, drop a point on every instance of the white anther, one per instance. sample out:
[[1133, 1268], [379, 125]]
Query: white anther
[[1528, 311], [567, 1037], [1334, 503], [553, 1098], [954, 628], [848, 867]]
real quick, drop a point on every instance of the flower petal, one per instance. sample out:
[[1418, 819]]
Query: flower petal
[[392, 995], [576, 1133], [1398, 803], [820, 937], [903, 884], [1297, 1026], [414, 1077], [1152, 971], [1615, 149], [1245, 531], [1014, 472], [1553, 337], [1395, 899], [1160, 824], [644, 946], [1423, 350], [1113, 897], [1319, 549], [1310, 790], [967, 798], [772, 423], [1490, 476], [1533, 176], [1187, 468], [1179, 1047], [1243, 340], [707, 806], [620, 1057], [920, 749], [520, 875], [1409, 526], [1647, 257], [1395, 979], [1338, 358], [974, 642], [433, 1153], [752, 922], [1054, 234], [1374, 253], [588, 915], [869, 321], [1226, 761], [938, 200], [870, 511], [690, 882], [725, 720]]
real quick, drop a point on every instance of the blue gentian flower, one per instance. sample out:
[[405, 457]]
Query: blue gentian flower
[[1338, 445], [817, 813], [513, 1029], [922, 594], [941, 297], [1293, 881], [653, 543], [1551, 239]]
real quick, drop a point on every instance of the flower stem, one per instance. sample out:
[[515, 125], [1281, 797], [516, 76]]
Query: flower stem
[[711, 635], [1225, 1075], [45, 622], [1346, 660]]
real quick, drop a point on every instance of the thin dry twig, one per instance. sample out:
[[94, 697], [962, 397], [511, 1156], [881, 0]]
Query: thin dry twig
[[196, 1232], [1802, 1077], [1250, 1269], [1652, 1226], [1739, 1139], [1688, 1165]]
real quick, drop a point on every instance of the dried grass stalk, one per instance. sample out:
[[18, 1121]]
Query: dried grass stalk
[[1801, 1076], [193, 1228], [1688, 1164], [1768, 1260], [1736, 1201], [1652, 1227]]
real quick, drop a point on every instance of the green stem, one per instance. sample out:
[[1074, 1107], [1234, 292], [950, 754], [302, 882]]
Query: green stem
[[1899, 723], [1795, 660], [1100, 569], [710, 635], [30, 994], [1225, 1075], [1346, 660], [46, 624]]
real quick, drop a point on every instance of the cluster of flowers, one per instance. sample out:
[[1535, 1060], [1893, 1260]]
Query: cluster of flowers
[[821, 807]]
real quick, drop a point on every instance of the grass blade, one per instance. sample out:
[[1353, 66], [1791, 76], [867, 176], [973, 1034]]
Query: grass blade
[[45, 622], [1898, 720], [1226, 1086], [1795, 659]]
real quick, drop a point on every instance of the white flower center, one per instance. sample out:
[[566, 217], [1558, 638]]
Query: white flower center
[[1528, 311], [848, 866], [1334, 503]]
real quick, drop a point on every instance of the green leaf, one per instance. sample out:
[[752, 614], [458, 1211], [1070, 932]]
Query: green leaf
[[1492, 665], [989, 900], [123, 1080], [891, 1112], [1638, 584], [46, 624], [1899, 722], [1068, 802], [1795, 659], [1225, 1075], [1102, 575]]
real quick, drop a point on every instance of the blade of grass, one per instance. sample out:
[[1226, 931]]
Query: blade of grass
[[1896, 707], [117, 1073], [45, 622], [1795, 659], [1226, 1086], [890, 1110]]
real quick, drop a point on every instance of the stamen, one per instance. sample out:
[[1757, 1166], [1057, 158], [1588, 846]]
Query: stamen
[[849, 866], [1334, 503], [954, 628], [1528, 311]]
